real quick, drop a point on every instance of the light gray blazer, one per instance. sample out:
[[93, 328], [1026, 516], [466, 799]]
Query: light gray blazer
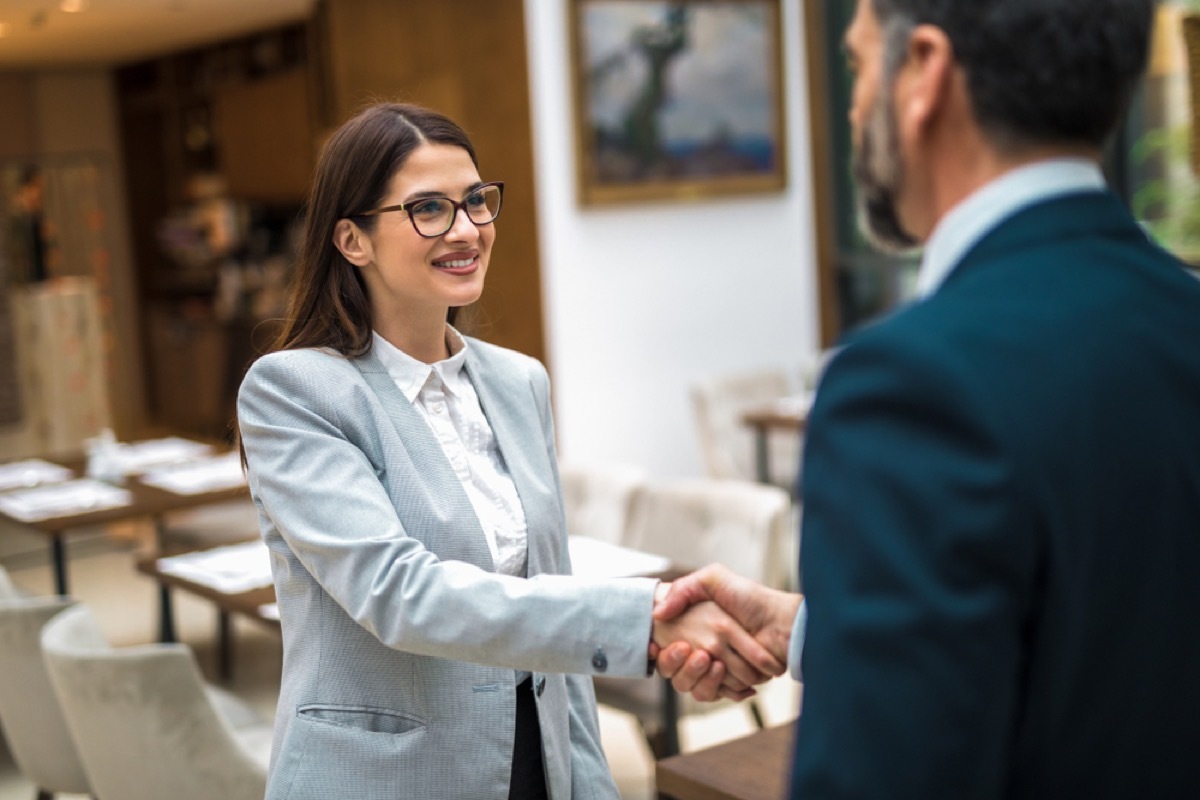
[[400, 641]]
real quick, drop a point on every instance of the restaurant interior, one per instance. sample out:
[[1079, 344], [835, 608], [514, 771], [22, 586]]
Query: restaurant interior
[[163, 150]]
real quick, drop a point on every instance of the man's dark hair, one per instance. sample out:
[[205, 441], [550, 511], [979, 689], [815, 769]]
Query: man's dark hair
[[1040, 71]]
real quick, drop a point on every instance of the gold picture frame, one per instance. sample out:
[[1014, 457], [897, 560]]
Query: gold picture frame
[[677, 99]]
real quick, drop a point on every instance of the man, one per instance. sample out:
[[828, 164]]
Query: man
[[1001, 550]]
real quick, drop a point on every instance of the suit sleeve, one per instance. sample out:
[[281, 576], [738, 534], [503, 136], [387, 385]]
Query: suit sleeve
[[918, 556], [324, 496]]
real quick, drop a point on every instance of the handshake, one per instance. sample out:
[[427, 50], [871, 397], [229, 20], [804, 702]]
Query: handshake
[[718, 634]]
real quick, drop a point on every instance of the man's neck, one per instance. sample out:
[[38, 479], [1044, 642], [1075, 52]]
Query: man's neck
[[958, 172]]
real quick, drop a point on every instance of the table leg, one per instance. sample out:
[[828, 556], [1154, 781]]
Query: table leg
[[166, 605], [166, 614], [762, 456], [224, 646], [58, 555]]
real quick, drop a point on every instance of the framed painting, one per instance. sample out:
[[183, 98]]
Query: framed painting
[[677, 99]]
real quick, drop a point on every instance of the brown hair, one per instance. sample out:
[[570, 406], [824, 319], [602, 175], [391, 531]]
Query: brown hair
[[328, 304]]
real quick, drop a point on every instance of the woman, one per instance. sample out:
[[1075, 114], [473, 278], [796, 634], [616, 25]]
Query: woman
[[409, 495]]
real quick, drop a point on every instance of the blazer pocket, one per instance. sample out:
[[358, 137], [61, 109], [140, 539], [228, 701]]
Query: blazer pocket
[[362, 718], [333, 751]]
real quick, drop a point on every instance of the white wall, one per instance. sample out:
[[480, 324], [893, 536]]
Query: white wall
[[644, 299]]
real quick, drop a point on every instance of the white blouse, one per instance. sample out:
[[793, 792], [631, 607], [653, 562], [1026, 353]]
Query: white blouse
[[444, 396]]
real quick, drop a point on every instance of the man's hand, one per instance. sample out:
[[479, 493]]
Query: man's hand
[[765, 613], [706, 628]]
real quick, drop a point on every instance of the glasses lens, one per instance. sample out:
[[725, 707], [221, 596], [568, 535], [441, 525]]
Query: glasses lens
[[483, 204], [432, 217]]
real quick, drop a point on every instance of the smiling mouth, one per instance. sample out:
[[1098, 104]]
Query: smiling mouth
[[455, 264]]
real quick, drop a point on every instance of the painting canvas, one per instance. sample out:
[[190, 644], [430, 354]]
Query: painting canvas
[[677, 99]]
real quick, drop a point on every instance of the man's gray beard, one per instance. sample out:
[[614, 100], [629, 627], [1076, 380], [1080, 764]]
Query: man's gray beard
[[878, 177]]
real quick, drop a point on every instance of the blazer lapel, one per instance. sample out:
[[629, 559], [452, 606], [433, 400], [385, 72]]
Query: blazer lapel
[[443, 484], [509, 405], [409, 424]]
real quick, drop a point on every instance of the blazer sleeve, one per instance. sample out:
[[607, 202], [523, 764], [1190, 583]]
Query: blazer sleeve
[[322, 493], [918, 562]]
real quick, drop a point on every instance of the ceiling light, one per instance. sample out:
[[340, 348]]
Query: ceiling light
[[73, 6]]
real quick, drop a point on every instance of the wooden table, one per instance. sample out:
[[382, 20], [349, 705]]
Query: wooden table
[[248, 603], [147, 501], [789, 414], [755, 767]]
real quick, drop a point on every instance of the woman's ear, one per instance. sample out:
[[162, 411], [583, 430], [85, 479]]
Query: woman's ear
[[350, 240]]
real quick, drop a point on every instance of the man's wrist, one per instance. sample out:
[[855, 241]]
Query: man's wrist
[[661, 591]]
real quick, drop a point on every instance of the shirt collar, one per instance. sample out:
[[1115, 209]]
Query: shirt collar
[[968, 222], [410, 375]]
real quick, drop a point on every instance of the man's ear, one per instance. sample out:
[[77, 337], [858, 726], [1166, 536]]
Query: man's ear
[[924, 84], [350, 240]]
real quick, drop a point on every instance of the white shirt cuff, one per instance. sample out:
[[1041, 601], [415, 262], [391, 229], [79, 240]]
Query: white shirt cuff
[[796, 645]]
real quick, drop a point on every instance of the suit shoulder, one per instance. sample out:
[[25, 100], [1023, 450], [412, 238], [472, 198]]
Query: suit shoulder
[[305, 359], [505, 358], [292, 370]]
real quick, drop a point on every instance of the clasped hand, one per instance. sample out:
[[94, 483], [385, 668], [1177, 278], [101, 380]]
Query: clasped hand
[[718, 634]]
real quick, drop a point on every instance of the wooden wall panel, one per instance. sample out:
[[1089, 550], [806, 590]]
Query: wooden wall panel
[[18, 128], [264, 140], [466, 59]]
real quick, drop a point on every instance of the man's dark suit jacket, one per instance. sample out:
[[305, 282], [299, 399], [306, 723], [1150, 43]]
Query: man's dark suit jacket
[[1001, 538]]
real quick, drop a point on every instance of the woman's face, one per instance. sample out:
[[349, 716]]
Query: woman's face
[[412, 277]]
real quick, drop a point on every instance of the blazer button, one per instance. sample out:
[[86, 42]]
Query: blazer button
[[541, 685], [599, 660]]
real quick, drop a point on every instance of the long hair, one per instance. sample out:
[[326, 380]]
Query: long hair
[[328, 304]]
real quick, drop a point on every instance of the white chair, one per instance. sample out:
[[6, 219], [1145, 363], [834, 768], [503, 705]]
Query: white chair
[[693, 522], [598, 498], [726, 443], [145, 724], [33, 723], [7, 589]]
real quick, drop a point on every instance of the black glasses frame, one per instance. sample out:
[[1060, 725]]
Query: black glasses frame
[[455, 207]]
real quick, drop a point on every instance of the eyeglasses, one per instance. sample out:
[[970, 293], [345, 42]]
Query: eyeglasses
[[433, 216]]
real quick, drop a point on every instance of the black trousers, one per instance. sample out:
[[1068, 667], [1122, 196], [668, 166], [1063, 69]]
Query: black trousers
[[528, 773]]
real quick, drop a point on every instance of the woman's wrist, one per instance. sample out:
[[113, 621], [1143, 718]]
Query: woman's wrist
[[660, 593]]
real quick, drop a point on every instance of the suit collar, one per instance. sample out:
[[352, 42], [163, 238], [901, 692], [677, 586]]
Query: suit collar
[[972, 219], [1087, 214], [410, 374]]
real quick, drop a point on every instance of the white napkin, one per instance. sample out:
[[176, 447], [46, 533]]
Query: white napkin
[[198, 475], [63, 499], [31, 472], [594, 558], [230, 569]]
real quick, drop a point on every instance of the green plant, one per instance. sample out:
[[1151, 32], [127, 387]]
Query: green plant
[[1168, 203]]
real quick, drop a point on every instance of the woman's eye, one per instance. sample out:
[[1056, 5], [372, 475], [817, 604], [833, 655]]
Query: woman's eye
[[429, 208], [476, 199]]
